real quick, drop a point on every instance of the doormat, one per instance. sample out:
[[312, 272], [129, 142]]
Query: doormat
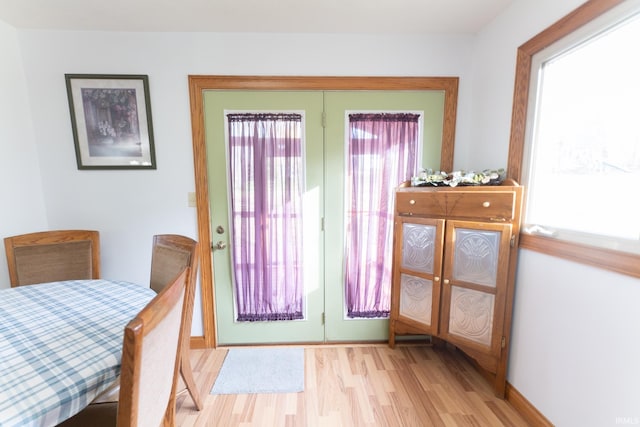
[[261, 370]]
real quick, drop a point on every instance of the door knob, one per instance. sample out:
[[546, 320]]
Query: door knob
[[219, 246]]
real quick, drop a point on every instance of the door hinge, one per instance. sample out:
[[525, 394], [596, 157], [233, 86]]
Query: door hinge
[[322, 224], [503, 344], [324, 119], [323, 317], [513, 240]]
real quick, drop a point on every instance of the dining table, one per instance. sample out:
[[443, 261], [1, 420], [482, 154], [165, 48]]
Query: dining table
[[61, 346]]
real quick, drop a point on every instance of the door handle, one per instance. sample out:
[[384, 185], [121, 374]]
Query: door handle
[[219, 246]]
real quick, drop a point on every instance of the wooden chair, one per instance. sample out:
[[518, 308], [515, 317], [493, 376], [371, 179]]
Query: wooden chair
[[150, 362], [170, 254], [50, 256]]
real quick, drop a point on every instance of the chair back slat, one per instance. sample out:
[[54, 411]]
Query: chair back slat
[[166, 262], [52, 263], [170, 254], [50, 256], [150, 359]]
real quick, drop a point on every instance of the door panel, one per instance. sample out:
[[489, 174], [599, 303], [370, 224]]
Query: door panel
[[337, 103], [311, 328]]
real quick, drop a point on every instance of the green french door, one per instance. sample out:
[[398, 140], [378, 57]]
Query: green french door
[[309, 104], [324, 117], [337, 106]]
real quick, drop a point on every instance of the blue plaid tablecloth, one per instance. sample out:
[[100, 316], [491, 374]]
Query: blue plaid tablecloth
[[61, 346]]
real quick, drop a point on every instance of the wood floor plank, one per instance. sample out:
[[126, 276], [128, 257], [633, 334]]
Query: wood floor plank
[[353, 386]]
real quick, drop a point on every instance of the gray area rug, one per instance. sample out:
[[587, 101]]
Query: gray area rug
[[261, 370]]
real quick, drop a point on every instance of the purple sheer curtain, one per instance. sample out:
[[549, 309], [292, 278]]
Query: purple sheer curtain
[[267, 181], [382, 154]]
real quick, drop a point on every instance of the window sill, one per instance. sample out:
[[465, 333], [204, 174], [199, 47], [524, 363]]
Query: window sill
[[608, 259]]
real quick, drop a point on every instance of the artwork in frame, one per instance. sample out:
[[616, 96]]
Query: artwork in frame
[[111, 121]]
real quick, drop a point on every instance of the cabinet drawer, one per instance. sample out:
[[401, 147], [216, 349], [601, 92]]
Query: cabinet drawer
[[421, 203], [493, 206], [480, 205]]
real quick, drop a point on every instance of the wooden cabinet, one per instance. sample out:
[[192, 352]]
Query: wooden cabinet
[[454, 268]]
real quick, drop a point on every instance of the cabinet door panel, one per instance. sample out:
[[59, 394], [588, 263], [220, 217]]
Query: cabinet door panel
[[471, 315], [416, 298], [416, 289], [476, 267], [418, 245], [476, 256]]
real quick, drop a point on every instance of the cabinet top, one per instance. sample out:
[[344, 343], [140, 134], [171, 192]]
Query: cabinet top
[[507, 184]]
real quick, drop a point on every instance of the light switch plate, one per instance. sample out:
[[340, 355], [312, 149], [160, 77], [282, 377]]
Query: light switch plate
[[191, 200]]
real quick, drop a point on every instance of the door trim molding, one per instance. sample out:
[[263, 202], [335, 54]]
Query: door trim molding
[[200, 83]]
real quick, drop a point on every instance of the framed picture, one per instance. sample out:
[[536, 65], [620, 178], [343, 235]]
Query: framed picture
[[111, 121]]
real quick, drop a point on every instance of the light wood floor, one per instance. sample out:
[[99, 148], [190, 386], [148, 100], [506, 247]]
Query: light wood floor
[[359, 385]]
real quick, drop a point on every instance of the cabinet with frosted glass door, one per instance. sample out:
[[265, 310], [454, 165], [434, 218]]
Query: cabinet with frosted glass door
[[454, 269]]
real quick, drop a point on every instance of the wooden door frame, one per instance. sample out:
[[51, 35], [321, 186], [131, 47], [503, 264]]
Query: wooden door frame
[[200, 83]]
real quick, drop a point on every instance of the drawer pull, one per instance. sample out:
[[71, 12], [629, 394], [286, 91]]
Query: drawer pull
[[412, 202], [486, 204]]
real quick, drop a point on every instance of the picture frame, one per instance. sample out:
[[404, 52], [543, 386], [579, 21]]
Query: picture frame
[[111, 121]]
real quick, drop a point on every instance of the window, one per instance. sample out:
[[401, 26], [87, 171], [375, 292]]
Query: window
[[575, 137], [583, 160], [266, 171], [382, 151]]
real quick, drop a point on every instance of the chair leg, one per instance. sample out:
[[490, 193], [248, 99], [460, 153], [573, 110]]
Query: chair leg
[[187, 377]]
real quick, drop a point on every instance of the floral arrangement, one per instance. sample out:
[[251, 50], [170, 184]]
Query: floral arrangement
[[453, 179]]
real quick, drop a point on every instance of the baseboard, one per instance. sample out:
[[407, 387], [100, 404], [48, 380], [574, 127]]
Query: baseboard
[[529, 412]]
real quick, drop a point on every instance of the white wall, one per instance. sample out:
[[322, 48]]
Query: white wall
[[494, 60], [21, 200], [576, 344], [129, 207]]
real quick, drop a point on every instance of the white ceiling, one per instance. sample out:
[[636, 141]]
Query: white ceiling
[[255, 16]]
